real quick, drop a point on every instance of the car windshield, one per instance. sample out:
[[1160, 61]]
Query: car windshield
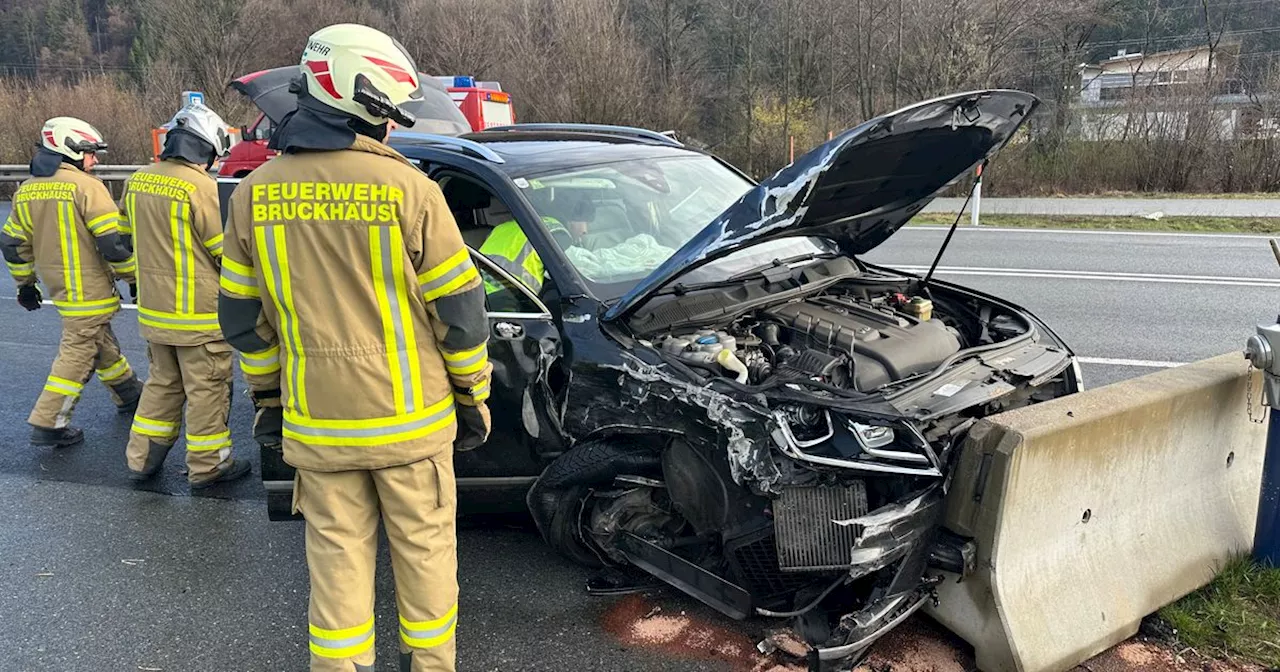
[[616, 222]]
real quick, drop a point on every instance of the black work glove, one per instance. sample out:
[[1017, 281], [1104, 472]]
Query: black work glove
[[29, 297], [133, 292], [268, 418], [473, 427]]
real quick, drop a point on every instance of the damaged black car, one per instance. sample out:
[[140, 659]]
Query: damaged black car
[[697, 377]]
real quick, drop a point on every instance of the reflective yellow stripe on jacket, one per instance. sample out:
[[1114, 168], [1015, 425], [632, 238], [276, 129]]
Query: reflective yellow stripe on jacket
[[262, 363], [70, 247], [370, 432], [447, 276], [386, 249], [238, 280], [87, 308], [273, 252]]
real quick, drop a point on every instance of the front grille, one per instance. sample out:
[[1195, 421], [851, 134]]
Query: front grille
[[754, 562], [806, 537]]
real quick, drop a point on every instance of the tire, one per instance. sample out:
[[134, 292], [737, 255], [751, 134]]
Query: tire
[[555, 501]]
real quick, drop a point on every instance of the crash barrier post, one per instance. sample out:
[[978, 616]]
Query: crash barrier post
[[1263, 352], [977, 195], [1093, 510]]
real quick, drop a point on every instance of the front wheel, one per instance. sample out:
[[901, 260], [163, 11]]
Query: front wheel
[[560, 499]]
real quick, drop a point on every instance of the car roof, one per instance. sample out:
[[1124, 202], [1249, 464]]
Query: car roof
[[529, 153]]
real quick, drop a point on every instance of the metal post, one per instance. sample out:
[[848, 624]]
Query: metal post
[[1261, 351], [977, 195]]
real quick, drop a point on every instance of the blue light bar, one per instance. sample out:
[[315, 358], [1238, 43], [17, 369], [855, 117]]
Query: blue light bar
[[464, 82]]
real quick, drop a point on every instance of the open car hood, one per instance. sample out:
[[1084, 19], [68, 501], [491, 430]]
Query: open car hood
[[435, 111], [858, 188]]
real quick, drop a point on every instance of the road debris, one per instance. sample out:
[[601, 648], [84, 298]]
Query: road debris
[[133, 562], [636, 621], [44, 575]]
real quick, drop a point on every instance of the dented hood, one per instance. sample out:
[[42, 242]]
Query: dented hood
[[435, 110], [860, 187]]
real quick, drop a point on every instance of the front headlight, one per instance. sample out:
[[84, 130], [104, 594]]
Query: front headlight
[[872, 436]]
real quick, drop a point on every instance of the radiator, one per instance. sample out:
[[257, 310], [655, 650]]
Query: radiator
[[804, 535]]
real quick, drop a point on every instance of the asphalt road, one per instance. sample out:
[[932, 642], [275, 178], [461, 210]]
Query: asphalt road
[[97, 575], [1171, 207], [1127, 303]]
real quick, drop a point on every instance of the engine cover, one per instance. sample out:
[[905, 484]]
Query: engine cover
[[884, 346]]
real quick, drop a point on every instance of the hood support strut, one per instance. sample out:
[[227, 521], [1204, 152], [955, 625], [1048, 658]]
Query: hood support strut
[[924, 284]]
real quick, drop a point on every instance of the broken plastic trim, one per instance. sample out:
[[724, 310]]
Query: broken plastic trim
[[854, 648], [793, 448]]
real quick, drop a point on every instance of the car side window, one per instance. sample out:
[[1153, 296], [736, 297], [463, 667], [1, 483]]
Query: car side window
[[503, 295]]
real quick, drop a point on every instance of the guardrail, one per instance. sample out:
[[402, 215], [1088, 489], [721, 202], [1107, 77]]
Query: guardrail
[[18, 173]]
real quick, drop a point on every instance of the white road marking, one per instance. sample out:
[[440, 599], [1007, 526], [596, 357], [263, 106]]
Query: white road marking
[[1144, 363], [1097, 275], [1091, 232]]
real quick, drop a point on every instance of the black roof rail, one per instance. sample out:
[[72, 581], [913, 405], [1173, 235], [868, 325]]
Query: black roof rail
[[600, 129], [463, 145]]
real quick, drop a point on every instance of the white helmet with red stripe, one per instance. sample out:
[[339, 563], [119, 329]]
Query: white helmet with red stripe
[[361, 72], [71, 137]]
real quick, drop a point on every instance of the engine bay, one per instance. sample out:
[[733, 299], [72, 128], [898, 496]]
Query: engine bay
[[858, 335]]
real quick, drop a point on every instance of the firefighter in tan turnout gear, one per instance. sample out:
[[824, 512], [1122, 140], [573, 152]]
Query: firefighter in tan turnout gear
[[172, 207], [64, 232], [360, 272]]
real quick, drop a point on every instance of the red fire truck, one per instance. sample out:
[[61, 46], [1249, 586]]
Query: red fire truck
[[469, 106]]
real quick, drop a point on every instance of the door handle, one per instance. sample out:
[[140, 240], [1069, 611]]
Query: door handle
[[508, 330]]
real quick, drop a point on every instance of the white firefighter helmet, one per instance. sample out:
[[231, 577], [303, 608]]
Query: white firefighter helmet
[[71, 137], [361, 72], [205, 124]]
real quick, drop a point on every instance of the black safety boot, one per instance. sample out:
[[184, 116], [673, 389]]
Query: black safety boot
[[130, 392], [155, 460], [56, 438], [234, 470]]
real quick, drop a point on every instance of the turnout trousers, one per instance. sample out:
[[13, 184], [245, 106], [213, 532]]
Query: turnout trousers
[[418, 504], [87, 346], [199, 378]]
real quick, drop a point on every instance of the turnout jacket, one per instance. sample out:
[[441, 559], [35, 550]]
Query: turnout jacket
[[172, 209], [65, 230], [370, 306]]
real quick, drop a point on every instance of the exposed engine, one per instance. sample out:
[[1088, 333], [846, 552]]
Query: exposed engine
[[853, 341]]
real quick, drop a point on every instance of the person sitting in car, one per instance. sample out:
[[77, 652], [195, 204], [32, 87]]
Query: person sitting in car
[[509, 248]]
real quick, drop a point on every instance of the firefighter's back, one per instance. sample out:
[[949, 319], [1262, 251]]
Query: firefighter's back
[[67, 259], [364, 387], [177, 279]]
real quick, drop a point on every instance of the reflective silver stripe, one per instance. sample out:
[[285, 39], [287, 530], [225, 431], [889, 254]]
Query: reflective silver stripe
[[517, 269], [182, 239], [397, 324], [435, 284], [264, 358], [342, 643], [480, 356], [71, 274], [59, 386], [367, 432], [236, 277], [429, 633], [276, 281], [155, 425], [480, 391], [197, 320]]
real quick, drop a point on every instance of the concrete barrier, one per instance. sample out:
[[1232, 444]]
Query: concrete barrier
[[1094, 510]]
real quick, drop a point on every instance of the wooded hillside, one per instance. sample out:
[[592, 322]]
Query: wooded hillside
[[740, 76]]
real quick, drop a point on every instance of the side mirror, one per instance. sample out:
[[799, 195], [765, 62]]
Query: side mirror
[[246, 133]]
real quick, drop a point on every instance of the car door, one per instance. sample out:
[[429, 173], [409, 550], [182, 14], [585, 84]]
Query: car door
[[524, 344]]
